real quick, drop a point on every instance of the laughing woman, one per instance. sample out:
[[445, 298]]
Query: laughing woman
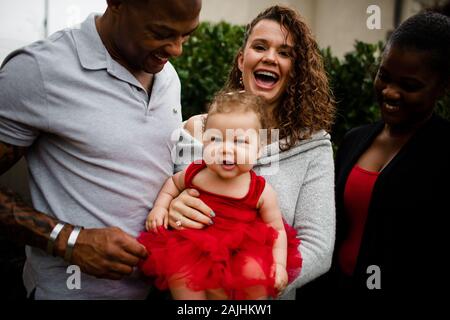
[[280, 61]]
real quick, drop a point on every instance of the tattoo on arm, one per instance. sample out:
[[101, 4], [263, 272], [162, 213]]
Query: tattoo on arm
[[18, 220], [21, 223]]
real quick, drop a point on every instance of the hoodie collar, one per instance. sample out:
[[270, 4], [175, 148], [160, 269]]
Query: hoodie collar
[[272, 153]]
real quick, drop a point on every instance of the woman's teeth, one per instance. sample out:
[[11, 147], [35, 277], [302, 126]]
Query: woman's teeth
[[267, 74], [391, 107]]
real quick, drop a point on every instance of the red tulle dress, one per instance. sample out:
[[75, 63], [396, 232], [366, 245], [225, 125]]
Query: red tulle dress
[[218, 256]]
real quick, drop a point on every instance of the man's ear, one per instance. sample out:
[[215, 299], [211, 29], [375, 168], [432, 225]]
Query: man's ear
[[114, 4]]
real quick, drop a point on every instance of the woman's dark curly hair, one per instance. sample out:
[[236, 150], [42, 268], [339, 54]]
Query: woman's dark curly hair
[[307, 105]]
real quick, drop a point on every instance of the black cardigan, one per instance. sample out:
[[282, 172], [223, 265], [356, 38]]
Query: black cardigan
[[406, 230]]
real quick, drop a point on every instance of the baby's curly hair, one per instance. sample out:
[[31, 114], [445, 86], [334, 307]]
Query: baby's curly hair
[[307, 105], [238, 101]]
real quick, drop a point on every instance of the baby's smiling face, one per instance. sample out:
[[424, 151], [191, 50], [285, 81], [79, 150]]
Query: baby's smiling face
[[231, 143]]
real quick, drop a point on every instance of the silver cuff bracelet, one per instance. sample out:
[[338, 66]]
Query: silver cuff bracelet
[[53, 235], [71, 242]]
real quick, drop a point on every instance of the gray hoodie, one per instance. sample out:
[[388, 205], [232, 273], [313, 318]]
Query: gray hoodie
[[303, 178]]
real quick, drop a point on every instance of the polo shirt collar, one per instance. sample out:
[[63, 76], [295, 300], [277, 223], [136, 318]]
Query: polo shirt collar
[[91, 51], [93, 54]]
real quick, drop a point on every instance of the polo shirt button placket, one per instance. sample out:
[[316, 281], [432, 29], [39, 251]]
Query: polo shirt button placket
[[144, 98], [147, 108]]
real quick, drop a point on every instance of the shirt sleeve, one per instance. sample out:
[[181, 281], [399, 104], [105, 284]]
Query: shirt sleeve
[[23, 104]]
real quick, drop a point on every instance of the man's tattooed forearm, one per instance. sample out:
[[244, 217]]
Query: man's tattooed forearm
[[31, 220], [18, 220], [21, 223]]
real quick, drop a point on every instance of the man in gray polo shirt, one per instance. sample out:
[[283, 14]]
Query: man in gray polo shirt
[[93, 110]]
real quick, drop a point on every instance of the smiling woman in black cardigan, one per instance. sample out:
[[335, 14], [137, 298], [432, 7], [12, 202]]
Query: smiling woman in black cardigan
[[393, 177]]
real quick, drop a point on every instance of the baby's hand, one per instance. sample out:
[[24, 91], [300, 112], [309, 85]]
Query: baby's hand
[[157, 217], [281, 277]]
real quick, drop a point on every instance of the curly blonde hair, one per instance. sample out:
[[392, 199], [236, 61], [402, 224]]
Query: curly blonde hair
[[307, 105], [238, 101]]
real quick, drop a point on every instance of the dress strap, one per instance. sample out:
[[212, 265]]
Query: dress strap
[[257, 185], [191, 171]]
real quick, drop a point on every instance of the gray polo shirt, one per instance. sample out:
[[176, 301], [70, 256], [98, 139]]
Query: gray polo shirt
[[99, 147]]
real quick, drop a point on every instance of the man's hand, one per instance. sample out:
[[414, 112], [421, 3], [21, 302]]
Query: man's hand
[[106, 253], [190, 211]]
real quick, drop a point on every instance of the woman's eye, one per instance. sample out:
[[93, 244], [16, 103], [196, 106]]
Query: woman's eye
[[240, 141], [259, 47], [285, 54]]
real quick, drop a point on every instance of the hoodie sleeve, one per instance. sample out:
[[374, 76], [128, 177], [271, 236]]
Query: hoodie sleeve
[[187, 150], [315, 215]]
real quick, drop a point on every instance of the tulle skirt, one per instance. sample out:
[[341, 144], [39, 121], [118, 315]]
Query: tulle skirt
[[230, 255]]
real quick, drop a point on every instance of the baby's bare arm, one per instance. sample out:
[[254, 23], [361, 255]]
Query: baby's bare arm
[[271, 214], [171, 189], [159, 214]]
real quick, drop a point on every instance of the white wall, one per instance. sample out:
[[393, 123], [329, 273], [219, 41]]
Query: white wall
[[338, 23], [243, 11], [22, 21], [335, 23], [66, 13]]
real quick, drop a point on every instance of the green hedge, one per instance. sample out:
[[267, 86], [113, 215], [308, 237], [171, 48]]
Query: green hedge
[[209, 53], [203, 68], [351, 80]]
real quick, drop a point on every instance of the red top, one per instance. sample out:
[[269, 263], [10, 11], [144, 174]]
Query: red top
[[243, 209], [357, 196]]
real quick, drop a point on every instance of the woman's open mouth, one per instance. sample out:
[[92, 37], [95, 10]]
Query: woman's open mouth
[[266, 79]]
